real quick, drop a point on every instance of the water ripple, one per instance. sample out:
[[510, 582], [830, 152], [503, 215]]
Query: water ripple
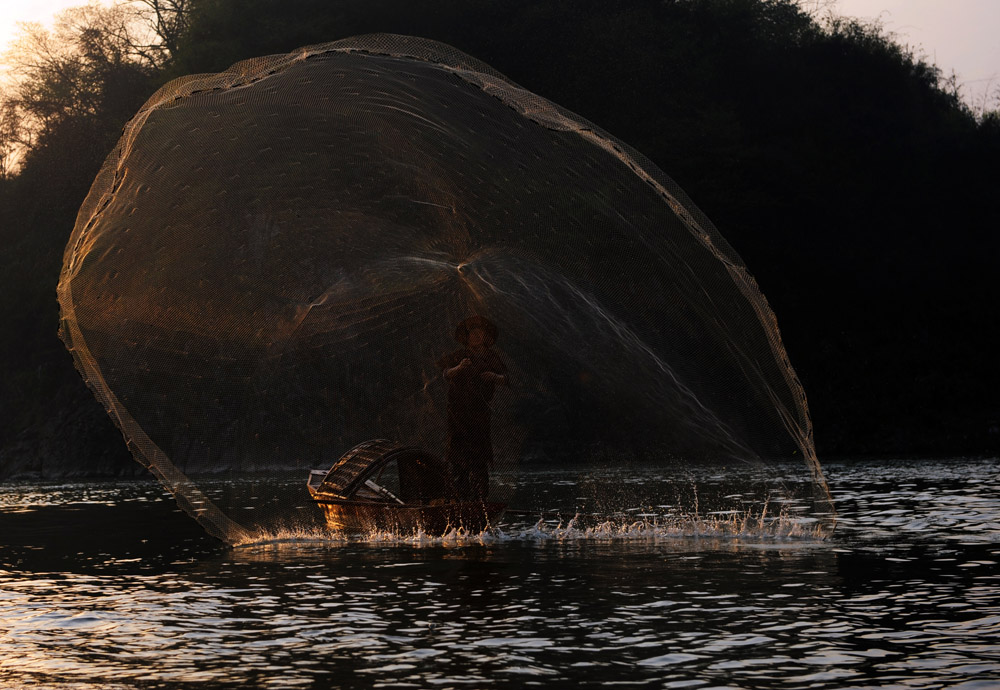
[[905, 594]]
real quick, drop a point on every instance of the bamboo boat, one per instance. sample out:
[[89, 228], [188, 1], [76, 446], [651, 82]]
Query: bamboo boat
[[381, 485]]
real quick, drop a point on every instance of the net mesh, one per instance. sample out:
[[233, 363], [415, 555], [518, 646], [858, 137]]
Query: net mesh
[[294, 256]]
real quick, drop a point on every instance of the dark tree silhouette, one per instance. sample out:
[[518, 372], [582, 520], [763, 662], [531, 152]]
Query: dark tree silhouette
[[844, 169]]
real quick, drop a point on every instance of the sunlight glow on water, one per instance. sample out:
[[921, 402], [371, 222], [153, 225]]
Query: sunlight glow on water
[[126, 591]]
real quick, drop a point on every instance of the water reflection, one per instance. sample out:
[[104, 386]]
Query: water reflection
[[906, 593]]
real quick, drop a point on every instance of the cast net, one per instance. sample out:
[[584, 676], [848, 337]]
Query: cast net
[[294, 256]]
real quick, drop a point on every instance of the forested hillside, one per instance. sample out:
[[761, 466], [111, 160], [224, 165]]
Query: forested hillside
[[859, 189]]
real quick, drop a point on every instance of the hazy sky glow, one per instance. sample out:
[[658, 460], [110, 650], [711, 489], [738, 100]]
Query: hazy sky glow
[[959, 35], [14, 11]]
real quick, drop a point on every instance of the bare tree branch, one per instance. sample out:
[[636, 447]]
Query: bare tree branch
[[92, 63], [11, 137], [164, 21]]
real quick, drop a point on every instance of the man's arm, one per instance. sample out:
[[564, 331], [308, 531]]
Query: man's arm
[[500, 379], [497, 373]]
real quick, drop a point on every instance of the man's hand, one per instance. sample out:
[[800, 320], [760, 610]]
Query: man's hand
[[450, 373]]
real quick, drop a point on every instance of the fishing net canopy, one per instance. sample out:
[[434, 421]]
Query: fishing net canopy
[[283, 260]]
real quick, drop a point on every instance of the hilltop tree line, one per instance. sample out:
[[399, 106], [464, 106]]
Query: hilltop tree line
[[845, 169]]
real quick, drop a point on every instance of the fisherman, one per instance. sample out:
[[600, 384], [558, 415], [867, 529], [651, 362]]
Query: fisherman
[[472, 373]]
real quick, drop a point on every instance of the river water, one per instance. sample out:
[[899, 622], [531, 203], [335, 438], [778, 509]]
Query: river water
[[109, 585]]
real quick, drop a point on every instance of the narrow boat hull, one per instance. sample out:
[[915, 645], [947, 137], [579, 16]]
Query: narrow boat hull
[[362, 517], [385, 486]]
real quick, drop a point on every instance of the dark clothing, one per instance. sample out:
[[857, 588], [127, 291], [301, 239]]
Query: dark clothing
[[470, 451]]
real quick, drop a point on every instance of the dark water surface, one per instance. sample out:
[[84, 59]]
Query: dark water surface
[[106, 585]]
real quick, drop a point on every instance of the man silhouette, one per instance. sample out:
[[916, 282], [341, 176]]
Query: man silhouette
[[472, 373]]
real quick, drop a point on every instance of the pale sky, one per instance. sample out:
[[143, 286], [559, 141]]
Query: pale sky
[[13, 11], [959, 35]]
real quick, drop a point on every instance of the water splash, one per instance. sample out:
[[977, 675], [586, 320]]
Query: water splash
[[731, 526]]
